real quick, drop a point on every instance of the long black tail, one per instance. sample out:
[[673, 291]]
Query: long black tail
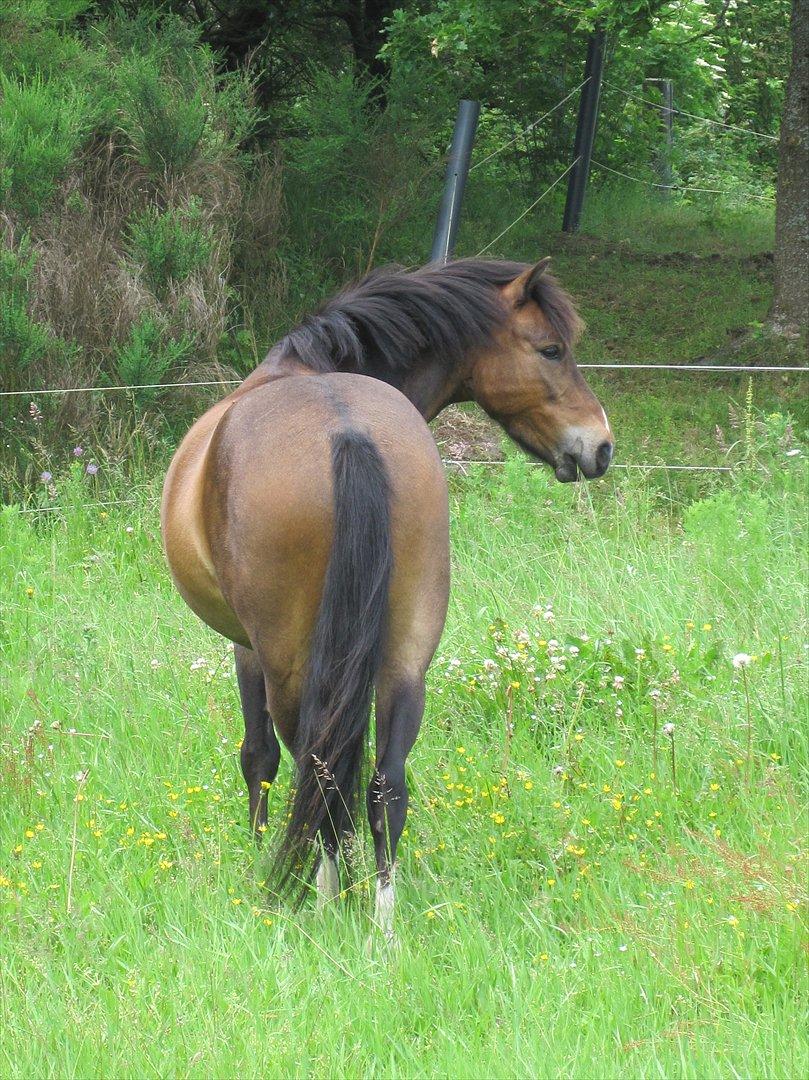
[[345, 654]]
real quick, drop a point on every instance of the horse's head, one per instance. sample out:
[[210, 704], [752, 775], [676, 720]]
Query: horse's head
[[528, 380]]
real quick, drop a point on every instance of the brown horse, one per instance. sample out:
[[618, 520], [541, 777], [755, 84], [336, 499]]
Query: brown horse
[[305, 517]]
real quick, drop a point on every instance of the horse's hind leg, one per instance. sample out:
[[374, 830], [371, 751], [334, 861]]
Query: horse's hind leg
[[399, 709], [328, 877], [260, 753]]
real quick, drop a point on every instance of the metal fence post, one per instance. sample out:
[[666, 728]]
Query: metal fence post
[[585, 131], [449, 213], [666, 87]]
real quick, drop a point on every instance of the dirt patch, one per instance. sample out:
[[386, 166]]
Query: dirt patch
[[466, 435], [761, 262], [585, 244]]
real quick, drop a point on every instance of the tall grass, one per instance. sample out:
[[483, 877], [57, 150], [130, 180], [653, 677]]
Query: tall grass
[[583, 890]]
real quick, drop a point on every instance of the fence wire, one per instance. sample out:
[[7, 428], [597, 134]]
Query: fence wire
[[750, 368], [530, 127], [693, 368], [528, 209], [462, 463], [113, 389], [680, 187], [693, 116]]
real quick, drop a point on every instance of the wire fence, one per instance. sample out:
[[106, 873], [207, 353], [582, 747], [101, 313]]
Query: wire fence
[[529, 127], [681, 187], [464, 463], [669, 187], [116, 389], [693, 116], [751, 369], [528, 209], [615, 465]]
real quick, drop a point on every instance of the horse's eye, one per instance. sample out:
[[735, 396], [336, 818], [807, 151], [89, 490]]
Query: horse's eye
[[552, 352]]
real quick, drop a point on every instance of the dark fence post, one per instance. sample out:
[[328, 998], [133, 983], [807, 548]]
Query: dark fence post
[[446, 228], [585, 131]]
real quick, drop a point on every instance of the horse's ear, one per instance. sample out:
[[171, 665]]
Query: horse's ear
[[524, 288]]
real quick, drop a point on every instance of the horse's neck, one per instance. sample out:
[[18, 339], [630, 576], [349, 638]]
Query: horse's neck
[[430, 387]]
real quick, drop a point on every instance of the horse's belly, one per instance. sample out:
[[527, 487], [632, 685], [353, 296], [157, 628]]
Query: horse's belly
[[201, 592], [184, 537]]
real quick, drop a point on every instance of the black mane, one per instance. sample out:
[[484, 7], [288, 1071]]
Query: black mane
[[392, 317]]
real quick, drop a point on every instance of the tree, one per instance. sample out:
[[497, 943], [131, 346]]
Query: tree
[[791, 301]]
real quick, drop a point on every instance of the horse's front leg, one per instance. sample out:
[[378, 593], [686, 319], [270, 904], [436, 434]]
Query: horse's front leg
[[399, 709], [260, 753]]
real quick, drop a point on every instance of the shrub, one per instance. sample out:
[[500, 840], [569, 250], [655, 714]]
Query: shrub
[[33, 40], [162, 122], [150, 353], [169, 246], [42, 125], [22, 338]]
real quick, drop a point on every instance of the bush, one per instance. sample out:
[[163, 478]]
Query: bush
[[22, 338], [161, 121], [42, 124], [169, 246], [150, 353]]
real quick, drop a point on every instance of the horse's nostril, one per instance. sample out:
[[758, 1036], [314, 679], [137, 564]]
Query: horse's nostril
[[604, 456]]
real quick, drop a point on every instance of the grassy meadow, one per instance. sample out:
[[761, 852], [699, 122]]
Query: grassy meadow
[[604, 872]]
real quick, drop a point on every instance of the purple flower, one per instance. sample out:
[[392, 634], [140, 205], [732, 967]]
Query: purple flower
[[46, 477], [78, 451], [91, 469]]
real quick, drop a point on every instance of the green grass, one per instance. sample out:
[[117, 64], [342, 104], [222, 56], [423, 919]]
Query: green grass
[[563, 910]]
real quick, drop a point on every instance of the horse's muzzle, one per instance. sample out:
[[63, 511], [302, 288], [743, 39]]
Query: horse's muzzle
[[570, 467]]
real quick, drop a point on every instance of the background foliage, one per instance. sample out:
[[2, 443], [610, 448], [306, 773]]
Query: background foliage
[[179, 182]]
